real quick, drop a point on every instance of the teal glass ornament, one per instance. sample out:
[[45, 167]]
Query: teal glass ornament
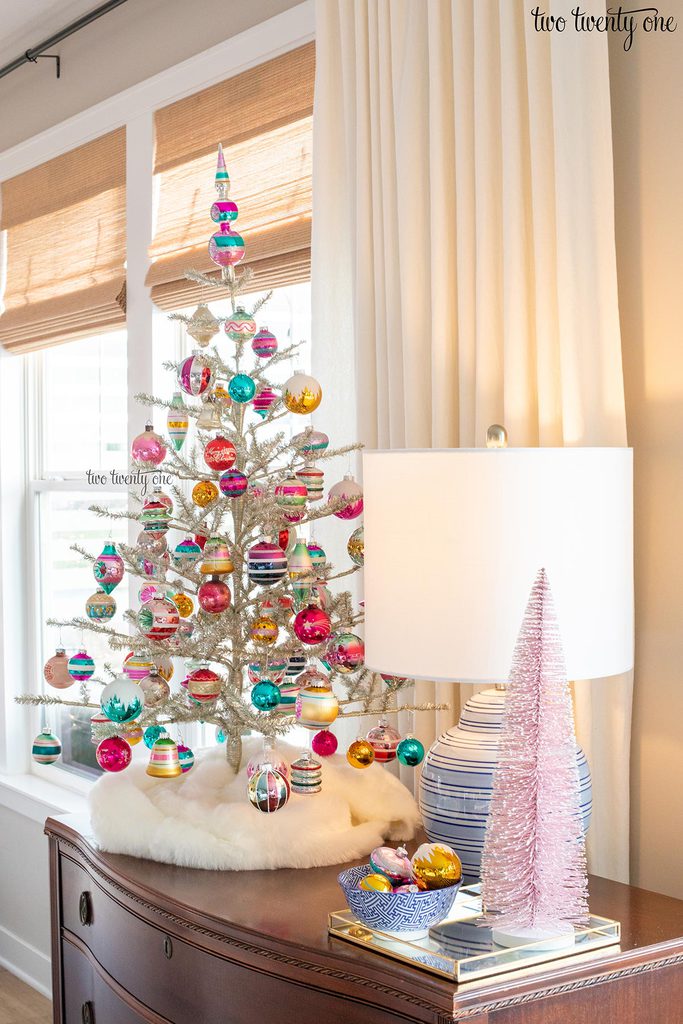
[[266, 695], [410, 751], [152, 734], [242, 388], [220, 736], [122, 700]]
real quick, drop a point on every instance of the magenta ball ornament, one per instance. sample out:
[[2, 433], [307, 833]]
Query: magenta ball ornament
[[194, 375], [214, 596], [233, 483], [324, 743], [114, 754], [312, 625]]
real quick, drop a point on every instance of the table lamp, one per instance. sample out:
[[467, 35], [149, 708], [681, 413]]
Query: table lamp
[[453, 541]]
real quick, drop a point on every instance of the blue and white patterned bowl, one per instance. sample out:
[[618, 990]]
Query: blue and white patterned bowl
[[408, 915]]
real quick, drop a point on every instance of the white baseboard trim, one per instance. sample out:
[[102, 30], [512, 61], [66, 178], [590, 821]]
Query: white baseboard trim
[[26, 962]]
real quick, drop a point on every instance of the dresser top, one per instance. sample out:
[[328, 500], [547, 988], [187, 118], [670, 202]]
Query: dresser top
[[286, 912]]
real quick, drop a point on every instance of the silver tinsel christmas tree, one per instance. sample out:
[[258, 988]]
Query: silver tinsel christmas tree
[[244, 599]]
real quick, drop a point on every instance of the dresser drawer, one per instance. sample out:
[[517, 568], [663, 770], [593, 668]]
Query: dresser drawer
[[89, 999]]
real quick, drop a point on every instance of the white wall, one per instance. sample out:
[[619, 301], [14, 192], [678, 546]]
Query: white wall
[[24, 899]]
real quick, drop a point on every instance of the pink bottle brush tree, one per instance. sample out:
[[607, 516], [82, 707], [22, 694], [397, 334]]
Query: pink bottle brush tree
[[534, 884]]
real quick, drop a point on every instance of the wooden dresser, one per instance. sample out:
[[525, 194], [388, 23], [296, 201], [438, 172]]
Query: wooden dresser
[[137, 941]]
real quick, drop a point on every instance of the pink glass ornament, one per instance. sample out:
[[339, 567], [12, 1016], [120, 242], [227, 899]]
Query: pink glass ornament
[[384, 740], [233, 483], [148, 449], [263, 399], [56, 671], [114, 754], [264, 343], [158, 619], [108, 568], [214, 596], [226, 247], [352, 493], [324, 743], [312, 625], [194, 375]]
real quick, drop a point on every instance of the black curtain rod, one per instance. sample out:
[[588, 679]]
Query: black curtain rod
[[75, 26]]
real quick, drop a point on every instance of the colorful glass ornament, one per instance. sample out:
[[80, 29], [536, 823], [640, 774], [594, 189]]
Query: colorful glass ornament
[[148, 449], [263, 400], [214, 596], [345, 652], [81, 666], [393, 864], [164, 664], [164, 762], [264, 343], [152, 734], [209, 418], [226, 247], [384, 740], [221, 397], [185, 758], [296, 663], [324, 743], [131, 733], [435, 866], [114, 754], [316, 704], [108, 568], [194, 375], [177, 421], [136, 667], [275, 672], [241, 326], [268, 789], [122, 700], [100, 606], [265, 695], [220, 454], [242, 388], [149, 590], [163, 498], [312, 625], [154, 518], [233, 483], [318, 556], [217, 559], [187, 553], [203, 684], [155, 689], [264, 630], [266, 563], [351, 492], [313, 480], [306, 774], [360, 754], [302, 394], [267, 756], [372, 882], [46, 748], [223, 210], [300, 564], [290, 493], [356, 546], [202, 325], [158, 619], [310, 441], [410, 751], [204, 492], [289, 691], [56, 671]]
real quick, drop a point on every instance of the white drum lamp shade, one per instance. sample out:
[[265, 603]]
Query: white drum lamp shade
[[453, 542]]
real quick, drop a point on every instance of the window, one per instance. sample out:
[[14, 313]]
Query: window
[[78, 411]]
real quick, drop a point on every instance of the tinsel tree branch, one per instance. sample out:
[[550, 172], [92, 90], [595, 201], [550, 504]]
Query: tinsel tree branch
[[534, 861]]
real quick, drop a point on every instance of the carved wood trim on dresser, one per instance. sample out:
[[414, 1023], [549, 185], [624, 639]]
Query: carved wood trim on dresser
[[135, 941]]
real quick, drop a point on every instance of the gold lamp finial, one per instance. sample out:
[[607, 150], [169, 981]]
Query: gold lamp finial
[[496, 436]]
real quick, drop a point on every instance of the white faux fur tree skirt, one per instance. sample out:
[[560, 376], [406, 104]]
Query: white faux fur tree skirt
[[204, 819]]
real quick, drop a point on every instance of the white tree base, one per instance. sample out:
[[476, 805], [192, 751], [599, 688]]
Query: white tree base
[[203, 819], [560, 936]]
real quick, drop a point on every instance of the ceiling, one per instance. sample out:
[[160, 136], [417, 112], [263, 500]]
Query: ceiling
[[25, 24]]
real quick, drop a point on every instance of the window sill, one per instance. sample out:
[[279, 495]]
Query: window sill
[[37, 799]]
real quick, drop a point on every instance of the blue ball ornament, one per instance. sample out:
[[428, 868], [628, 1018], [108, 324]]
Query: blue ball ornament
[[152, 734], [242, 388], [266, 695], [410, 751]]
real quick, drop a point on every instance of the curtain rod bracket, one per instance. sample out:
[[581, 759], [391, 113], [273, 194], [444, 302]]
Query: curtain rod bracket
[[35, 57]]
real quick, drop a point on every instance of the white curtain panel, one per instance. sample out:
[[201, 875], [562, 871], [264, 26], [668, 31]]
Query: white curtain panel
[[464, 267]]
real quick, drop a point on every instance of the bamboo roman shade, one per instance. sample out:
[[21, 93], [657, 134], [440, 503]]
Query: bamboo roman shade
[[263, 117], [65, 245]]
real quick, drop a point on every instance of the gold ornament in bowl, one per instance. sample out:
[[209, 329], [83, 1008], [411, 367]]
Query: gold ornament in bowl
[[436, 866]]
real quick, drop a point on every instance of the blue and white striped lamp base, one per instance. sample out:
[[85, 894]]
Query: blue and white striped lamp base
[[457, 776]]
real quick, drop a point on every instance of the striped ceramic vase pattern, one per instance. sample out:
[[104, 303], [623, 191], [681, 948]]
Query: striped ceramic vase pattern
[[457, 777]]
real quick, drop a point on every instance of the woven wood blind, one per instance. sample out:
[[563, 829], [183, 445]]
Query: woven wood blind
[[65, 224], [263, 117]]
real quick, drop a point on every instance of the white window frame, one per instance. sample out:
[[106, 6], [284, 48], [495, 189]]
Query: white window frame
[[133, 108]]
